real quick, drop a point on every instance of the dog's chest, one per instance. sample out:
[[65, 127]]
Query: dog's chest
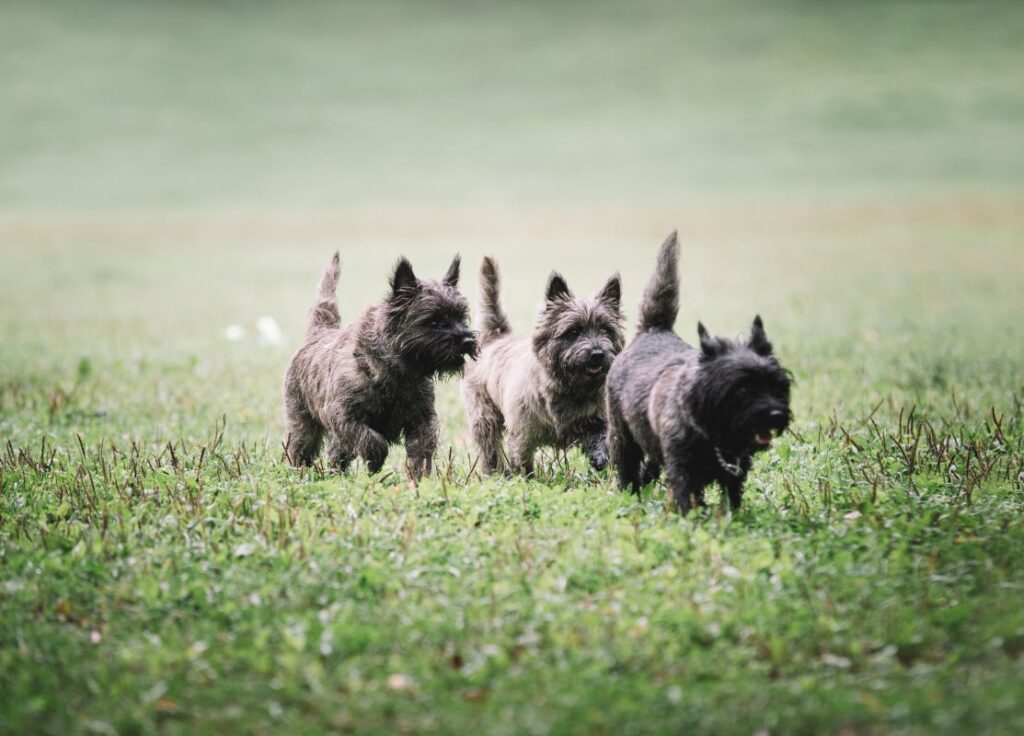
[[564, 414], [386, 406]]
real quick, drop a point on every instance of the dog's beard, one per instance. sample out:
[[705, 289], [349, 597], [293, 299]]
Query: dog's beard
[[572, 365], [577, 374], [755, 425], [438, 354]]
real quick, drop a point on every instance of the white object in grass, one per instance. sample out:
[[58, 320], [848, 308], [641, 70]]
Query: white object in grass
[[270, 331]]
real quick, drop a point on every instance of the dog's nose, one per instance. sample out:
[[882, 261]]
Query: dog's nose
[[596, 355], [468, 341], [777, 417]]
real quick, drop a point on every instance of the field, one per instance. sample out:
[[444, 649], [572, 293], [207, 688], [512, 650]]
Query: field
[[852, 172]]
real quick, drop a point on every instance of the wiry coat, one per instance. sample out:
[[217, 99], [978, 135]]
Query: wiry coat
[[367, 385], [700, 414], [544, 390]]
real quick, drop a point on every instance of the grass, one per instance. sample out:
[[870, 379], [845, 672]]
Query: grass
[[850, 172]]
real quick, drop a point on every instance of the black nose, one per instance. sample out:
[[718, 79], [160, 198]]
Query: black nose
[[469, 342], [596, 356], [777, 418]]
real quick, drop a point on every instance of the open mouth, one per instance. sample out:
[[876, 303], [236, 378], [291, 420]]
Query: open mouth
[[763, 438], [593, 369]]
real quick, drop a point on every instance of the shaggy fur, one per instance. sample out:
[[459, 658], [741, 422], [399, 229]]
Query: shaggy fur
[[367, 385], [544, 390], [700, 414]]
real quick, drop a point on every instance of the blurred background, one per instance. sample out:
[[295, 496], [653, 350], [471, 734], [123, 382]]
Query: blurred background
[[169, 170]]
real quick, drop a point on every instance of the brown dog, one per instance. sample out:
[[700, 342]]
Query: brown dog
[[369, 384]]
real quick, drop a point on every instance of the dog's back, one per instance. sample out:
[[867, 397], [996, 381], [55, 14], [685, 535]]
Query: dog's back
[[507, 371], [652, 363]]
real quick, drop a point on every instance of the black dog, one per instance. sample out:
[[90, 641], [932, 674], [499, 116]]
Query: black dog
[[700, 414]]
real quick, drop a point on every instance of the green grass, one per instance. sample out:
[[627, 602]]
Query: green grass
[[853, 173]]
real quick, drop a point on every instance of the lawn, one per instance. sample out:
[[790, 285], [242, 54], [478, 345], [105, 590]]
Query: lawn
[[851, 172]]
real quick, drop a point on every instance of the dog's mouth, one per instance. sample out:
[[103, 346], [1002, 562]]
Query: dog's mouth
[[770, 426], [469, 347], [764, 438], [594, 369]]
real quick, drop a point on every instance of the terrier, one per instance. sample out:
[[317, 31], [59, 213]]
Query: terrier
[[702, 414], [547, 390], [369, 384]]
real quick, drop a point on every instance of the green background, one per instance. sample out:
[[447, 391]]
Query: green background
[[852, 172]]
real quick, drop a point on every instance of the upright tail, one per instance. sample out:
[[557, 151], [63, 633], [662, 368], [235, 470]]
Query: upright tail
[[324, 313], [660, 303], [493, 321]]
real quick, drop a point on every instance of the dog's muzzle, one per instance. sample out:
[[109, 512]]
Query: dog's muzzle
[[595, 362], [770, 424], [468, 344]]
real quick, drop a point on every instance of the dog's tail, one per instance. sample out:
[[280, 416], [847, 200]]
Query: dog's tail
[[493, 321], [660, 303], [324, 313]]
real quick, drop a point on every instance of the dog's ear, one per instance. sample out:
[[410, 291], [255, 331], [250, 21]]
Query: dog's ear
[[758, 339], [557, 288], [451, 276], [611, 292], [708, 345], [403, 277]]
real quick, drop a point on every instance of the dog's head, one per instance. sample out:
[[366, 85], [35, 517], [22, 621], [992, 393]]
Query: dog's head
[[577, 339], [428, 321], [740, 399]]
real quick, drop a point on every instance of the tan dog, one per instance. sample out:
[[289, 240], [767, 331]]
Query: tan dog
[[547, 390]]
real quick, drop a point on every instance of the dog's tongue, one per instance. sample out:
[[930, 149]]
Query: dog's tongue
[[763, 439], [594, 369]]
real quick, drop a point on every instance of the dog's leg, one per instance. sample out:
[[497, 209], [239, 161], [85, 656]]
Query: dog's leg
[[649, 472], [626, 456], [339, 454], [592, 437], [487, 426], [304, 433], [625, 453], [685, 492], [364, 441], [521, 448], [421, 441], [686, 485], [734, 490]]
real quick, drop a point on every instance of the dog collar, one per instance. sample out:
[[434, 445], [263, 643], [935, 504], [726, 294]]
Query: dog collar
[[733, 469]]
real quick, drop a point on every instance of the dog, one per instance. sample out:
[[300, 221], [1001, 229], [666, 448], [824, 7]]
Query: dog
[[369, 384], [701, 414], [544, 390]]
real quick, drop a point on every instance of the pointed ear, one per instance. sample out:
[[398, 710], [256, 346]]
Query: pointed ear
[[451, 276], [557, 288], [759, 339], [708, 344], [403, 277], [611, 292]]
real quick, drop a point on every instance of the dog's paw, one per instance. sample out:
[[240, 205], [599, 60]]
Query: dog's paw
[[599, 460], [417, 467], [374, 451]]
